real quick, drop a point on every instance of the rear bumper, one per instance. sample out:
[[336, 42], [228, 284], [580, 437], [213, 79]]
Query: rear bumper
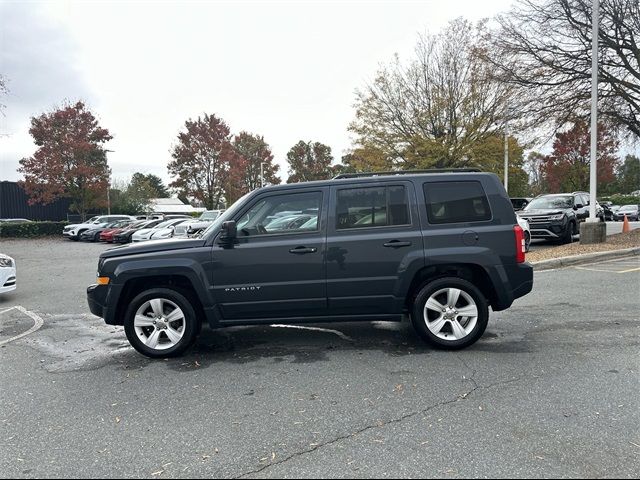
[[519, 278]]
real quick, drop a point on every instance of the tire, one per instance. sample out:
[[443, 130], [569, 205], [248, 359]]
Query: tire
[[170, 339], [96, 237], [438, 328]]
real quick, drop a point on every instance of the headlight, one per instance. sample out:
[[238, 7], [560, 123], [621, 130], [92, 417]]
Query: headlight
[[6, 262], [560, 216]]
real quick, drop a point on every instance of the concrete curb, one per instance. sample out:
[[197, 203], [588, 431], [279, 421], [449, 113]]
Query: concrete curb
[[585, 258]]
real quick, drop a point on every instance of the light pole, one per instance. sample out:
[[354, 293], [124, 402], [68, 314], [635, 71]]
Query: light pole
[[106, 164], [593, 184], [593, 231], [262, 174]]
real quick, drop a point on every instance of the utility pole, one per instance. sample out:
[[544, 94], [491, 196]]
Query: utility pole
[[506, 160], [261, 174]]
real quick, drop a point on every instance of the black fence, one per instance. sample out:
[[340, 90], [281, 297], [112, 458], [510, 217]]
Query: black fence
[[14, 204]]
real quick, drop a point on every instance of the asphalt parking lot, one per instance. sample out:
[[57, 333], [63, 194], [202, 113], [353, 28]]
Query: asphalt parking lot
[[550, 391]]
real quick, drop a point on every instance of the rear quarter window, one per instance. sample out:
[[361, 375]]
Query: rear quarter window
[[456, 202]]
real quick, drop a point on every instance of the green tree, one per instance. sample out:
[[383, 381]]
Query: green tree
[[131, 197], [488, 155], [70, 160], [309, 161], [154, 182], [629, 175]]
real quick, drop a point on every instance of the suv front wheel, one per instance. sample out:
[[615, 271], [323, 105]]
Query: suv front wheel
[[450, 313], [161, 323]]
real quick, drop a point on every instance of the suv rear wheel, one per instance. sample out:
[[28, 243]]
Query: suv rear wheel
[[450, 313], [161, 323]]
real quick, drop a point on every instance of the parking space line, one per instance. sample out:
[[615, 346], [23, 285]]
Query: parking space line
[[37, 324], [622, 265], [631, 270]]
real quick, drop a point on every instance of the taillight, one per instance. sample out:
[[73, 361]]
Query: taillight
[[520, 246]]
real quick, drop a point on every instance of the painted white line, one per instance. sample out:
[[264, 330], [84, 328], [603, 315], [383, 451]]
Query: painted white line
[[7, 310], [37, 324], [316, 329]]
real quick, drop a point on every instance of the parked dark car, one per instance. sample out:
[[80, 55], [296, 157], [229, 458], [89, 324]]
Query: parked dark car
[[520, 202], [125, 235], [93, 234], [439, 247], [631, 211], [557, 216]]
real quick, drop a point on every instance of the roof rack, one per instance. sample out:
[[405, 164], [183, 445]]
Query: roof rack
[[407, 172]]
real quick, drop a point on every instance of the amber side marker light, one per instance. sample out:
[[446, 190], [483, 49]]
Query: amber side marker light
[[103, 280]]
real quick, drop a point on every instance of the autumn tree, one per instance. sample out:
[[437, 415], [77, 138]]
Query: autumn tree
[[70, 160], [566, 169], [543, 49], [255, 160], [432, 110], [309, 161], [202, 160]]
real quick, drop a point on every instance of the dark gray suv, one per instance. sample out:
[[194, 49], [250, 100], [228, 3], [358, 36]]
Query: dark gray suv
[[440, 247]]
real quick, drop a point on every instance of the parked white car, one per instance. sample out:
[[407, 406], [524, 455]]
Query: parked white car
[[73, 232], [7, 273], [168, 232], [146, 233], [524, 224]]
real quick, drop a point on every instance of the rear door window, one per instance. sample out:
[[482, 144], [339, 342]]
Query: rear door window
[[456, 202]]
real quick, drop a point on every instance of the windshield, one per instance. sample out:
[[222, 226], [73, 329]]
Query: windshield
[[551, 202], [628, 208], [210, 215], [227, 215]]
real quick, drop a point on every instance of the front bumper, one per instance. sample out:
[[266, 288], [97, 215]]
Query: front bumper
[[103, 300], [7, 279], [547, 230]]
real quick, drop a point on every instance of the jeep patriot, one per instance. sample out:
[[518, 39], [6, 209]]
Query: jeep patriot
[[440, 247]]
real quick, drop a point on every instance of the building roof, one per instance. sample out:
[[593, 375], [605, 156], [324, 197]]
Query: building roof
[[172, 205]]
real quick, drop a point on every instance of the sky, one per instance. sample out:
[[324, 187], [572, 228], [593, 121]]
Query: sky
[[285, 70]]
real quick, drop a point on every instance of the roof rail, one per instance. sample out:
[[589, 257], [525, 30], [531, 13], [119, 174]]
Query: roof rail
[[407, 172]]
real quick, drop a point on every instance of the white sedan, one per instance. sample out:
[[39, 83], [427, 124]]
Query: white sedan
[[7, 274], [146, 233]]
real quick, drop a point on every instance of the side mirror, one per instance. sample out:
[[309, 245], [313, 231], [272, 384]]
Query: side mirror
[[229, 232], [578, 206]]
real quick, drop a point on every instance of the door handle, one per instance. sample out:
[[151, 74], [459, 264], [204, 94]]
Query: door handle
[[303, 250], [397, 244]]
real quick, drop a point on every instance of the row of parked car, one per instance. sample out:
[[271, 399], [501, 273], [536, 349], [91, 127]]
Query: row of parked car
[[558, 217], [127, 229]]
